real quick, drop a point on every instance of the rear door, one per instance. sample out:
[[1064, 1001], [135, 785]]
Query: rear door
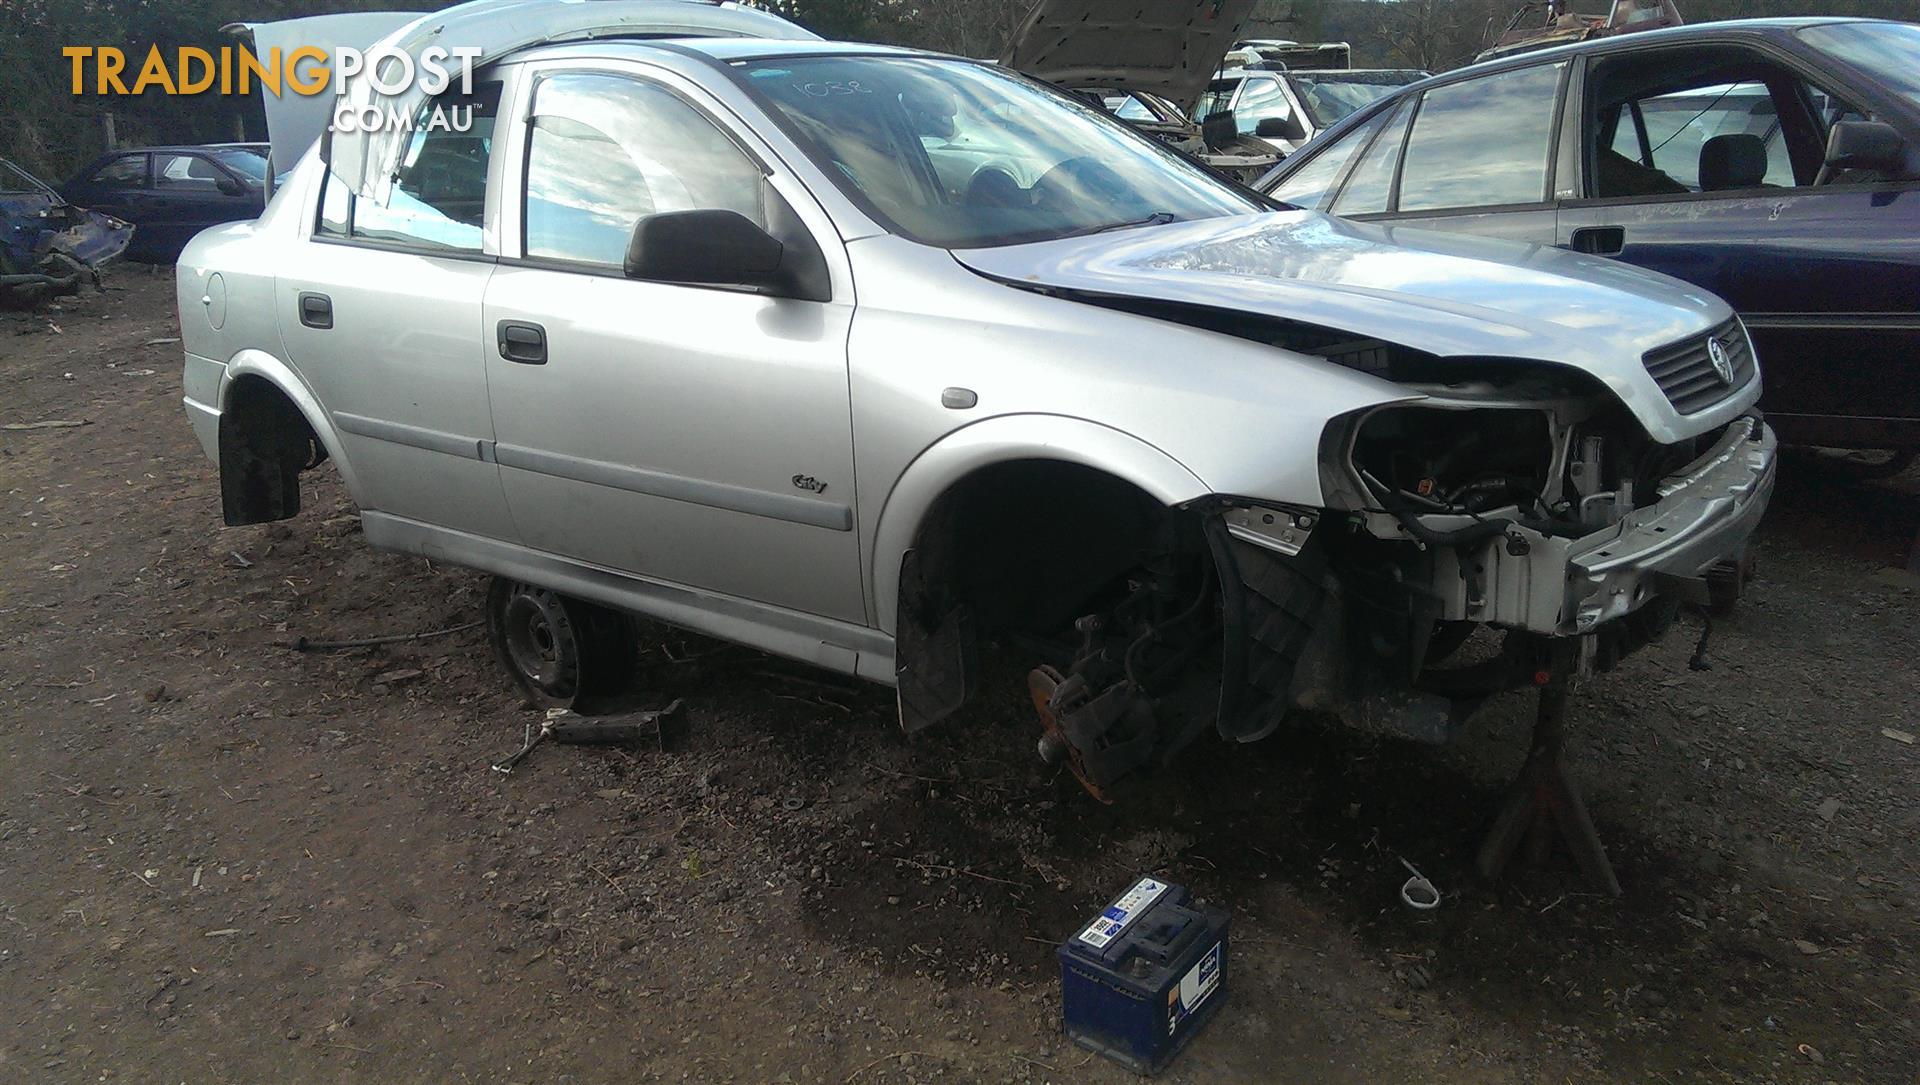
[[381, 315], [1702, 163], [690, 435], [1478, 158]]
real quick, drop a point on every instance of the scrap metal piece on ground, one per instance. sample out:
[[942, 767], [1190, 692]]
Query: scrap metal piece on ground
[[567, 728], [1546, 801], [1141, 980]]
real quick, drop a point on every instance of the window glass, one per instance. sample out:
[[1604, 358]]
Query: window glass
[[1331, 97], [1308, 186], [127, 171], [439, 197], [1680, 126], [1370, 190], [1265, 98], [1216, 99], [1129, 108], [250, 164], [607, 151], [1720, 137], [1887, 52], [186, 173], [958, 154], [1482, 143]]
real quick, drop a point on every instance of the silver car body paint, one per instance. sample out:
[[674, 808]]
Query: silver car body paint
[[661, 472], [1447, 294]]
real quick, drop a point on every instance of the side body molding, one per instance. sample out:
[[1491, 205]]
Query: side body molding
[[258, 363], [1004, 439]]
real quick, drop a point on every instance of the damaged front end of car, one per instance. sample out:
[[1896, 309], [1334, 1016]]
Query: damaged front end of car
[[48, 247], [1519, 498]]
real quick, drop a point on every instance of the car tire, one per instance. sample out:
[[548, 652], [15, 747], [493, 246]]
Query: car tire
[[560, 652]]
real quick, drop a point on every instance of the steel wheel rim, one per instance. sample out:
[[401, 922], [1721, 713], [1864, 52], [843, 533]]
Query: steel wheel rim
[[541, 643]]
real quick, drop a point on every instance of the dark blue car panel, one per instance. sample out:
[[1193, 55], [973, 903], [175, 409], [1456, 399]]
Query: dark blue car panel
[[1828, 278]]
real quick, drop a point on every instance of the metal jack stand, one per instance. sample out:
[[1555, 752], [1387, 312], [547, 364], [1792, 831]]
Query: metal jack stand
[[1546, 799]]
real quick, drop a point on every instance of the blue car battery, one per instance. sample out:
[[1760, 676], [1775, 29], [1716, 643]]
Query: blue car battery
[[1144, 976]]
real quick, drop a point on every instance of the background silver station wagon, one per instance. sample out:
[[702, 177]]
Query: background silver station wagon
[[880, 360]]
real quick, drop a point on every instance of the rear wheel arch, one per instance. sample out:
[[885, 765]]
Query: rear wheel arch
[[271, 430]]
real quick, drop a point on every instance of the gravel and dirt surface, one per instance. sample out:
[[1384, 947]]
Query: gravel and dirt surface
[[225, 861]]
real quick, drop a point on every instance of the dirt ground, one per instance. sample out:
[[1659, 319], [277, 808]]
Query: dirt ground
[[225, 861]]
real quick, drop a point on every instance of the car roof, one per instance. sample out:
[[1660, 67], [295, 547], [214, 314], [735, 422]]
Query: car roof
[[722, 50], [1756, 28]]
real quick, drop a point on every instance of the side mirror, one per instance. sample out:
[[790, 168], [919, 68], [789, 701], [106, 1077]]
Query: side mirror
[[710, 248], [1865, 145], [1287, 128], [230, 187]]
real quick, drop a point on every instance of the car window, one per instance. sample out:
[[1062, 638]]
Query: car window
[[607, 151], [1129, 108], [438, 198], [957, 154], [1217, 98], [1307, 187], [1264, 99], [187, 173], [1331, 97], [251, 164], [127, 171], [1482, 143], [1679, 127], [1370, 190], [1889, 53], [1682, 137]]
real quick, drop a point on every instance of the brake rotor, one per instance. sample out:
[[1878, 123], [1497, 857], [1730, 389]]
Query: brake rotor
[[1053, 696]]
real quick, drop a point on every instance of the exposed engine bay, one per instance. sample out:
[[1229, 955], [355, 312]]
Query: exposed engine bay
[[1498, 505]]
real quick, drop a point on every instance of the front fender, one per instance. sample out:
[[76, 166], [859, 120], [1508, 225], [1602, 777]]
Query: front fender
[[258, 363], [1006, 439]]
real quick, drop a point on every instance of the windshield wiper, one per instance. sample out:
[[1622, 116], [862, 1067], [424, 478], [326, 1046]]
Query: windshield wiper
[[1158, 218]]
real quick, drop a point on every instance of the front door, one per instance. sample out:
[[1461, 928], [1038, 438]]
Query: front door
[[689, 435], [1704, 164]]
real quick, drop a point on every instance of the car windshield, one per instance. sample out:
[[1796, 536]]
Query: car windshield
[[1889, 52], [963, 155], [1332, 97]]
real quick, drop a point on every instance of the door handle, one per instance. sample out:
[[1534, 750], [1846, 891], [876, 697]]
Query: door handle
[[1599, 240], [316, 311], [523, 343]]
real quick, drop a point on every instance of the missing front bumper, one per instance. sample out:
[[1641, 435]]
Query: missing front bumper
[[1571, 587]]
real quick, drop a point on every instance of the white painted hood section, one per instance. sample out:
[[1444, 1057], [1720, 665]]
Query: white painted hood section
[[1447, 294], [1169, 47], [500, 27]]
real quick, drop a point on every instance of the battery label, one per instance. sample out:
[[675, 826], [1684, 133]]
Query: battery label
[[1114, 921], [1200, 981]]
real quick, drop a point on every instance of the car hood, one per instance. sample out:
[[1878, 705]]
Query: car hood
[[1449, 295], [1169, 47]]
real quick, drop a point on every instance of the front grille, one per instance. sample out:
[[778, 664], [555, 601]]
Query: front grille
[[1686, 373]]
